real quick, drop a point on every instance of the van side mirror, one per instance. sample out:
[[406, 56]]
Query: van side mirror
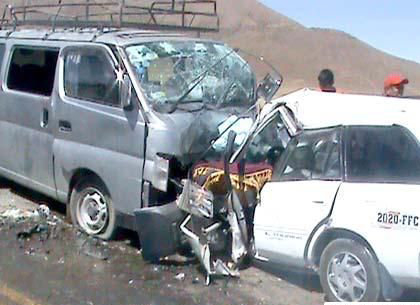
[[268, 87], [125, 91]]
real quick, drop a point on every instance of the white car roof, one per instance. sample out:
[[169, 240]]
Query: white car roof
[[316, 109]]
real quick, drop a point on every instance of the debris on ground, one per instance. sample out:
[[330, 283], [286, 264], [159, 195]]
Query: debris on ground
[[18, 215], [36, 229], [39, 221], [71, 254], [41, 214], [30, 222], [44, 211], [92, 247], [156, 269], [180, 276], [177, 259]]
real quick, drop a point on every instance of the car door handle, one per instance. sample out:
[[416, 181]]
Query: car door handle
[[318, 201], [44, 118], [64, 126]]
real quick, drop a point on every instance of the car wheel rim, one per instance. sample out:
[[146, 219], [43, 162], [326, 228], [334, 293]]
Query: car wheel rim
[[347, 277], [92, 212]]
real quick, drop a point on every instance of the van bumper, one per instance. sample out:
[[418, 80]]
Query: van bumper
[[158, 230]]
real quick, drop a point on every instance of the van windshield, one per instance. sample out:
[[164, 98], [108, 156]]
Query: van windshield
[[172, 72]]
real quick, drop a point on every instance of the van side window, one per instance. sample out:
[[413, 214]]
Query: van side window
[[32, 70], [89, 75], [383, 154]]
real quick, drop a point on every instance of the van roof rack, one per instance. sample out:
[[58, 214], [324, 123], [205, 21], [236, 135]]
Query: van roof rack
[[174, 15]]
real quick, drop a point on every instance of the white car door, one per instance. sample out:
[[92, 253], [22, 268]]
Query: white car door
[[299, 197]]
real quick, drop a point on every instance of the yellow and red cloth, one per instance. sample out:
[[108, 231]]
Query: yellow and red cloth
[[211, 176]]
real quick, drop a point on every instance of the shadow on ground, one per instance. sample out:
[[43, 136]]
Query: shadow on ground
[[306, 280]]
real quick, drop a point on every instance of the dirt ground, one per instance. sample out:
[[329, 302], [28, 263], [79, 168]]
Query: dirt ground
[[46, 261]]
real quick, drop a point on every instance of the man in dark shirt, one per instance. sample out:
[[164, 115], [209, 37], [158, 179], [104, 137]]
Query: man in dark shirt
[[326, 81]]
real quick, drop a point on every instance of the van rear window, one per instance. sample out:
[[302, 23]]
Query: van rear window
[[32, 70]]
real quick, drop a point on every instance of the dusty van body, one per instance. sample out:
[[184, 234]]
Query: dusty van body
[[109, 122]]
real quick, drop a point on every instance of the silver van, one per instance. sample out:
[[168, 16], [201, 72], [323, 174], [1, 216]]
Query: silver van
[[109, 121]]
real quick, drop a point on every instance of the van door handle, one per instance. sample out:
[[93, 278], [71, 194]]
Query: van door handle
[[44, 118], [318, 201], [64, 126]]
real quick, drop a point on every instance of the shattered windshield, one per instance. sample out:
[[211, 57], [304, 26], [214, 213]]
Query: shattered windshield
[[268, 145], [215, 74]]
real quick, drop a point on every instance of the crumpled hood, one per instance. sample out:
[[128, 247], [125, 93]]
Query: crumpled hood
[[186, 135]]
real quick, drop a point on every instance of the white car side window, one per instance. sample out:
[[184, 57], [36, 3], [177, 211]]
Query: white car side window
[[383, 154], [315, 156]]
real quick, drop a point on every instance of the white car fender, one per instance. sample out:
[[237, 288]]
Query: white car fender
[[338, 223], [343, 228], [310, 254]]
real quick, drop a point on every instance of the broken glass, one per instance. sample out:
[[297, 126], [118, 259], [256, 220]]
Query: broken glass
[[194, 72], [267, 146]]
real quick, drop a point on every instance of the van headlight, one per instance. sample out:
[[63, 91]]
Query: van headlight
[[160, 173]]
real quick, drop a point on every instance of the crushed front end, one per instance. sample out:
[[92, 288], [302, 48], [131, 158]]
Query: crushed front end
[[218, 225], [210, 92]]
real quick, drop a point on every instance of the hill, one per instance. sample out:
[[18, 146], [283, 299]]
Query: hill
[[300, 52]]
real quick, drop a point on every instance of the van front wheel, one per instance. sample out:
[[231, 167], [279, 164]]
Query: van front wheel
[[91, 208]]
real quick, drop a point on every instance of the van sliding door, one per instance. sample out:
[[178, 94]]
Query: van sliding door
[[29, 82]]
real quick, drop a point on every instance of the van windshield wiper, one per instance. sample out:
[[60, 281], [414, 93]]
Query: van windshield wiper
[[196, 81]]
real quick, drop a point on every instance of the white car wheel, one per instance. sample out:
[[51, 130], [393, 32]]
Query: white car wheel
[[349, 273]]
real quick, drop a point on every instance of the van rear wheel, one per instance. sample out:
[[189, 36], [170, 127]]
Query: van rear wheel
[[91, 208]]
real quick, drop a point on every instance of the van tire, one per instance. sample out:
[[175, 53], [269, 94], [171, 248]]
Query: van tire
[[68, 214], [358, 258], [90, 198]]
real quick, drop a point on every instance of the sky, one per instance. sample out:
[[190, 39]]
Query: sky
[[391, 26]]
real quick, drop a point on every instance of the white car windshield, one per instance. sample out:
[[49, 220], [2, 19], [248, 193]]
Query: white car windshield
[[192, 71]]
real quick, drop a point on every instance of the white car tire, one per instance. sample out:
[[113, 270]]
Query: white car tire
[[349, 272]]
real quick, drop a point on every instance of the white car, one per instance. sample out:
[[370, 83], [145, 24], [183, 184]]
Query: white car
[[344, 198], [323, 181]]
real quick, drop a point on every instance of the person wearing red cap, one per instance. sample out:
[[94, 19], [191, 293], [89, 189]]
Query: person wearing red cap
[[394, 85]]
